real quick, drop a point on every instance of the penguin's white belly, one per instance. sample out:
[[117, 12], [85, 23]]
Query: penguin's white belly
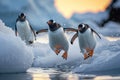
[[58, 38], [24, 31], [86, 40]]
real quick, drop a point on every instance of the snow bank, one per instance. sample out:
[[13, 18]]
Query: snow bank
[[110, 29], [107, 57], [15, 56]]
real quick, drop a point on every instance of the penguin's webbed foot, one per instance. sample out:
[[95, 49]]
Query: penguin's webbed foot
[[86, 56], [64, 55], [91, 53], [57, 51]]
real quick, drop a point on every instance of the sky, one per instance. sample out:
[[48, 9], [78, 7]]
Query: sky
[[68, 7]]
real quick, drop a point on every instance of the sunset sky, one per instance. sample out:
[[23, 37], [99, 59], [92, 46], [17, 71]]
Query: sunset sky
[[68, 7]]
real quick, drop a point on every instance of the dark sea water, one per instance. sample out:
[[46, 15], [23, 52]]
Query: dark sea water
[[54, 74]]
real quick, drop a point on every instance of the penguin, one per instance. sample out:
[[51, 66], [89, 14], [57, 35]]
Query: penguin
[[87, 41], [24, 29], [57, 38]]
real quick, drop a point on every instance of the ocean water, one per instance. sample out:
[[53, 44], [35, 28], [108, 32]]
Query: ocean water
[[54, 74]]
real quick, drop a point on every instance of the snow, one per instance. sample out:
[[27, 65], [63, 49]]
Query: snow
[[15, 56], [106, 57], [110, 29]]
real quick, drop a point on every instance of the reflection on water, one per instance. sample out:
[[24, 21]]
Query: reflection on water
[[44, 74], [52, 74], [106, 78]]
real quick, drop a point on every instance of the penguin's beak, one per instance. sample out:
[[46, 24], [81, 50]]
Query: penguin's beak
[[22, 17], [48, 22]]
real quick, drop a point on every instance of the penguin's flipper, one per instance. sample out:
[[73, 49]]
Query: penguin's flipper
[[15, 30], [74, 37], [57, 51], [33, 32], [16, 27], [86, 56], [42, 30], [70, 29], [95, 33]]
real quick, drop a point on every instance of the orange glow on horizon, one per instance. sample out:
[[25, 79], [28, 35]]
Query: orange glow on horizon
[[68, 7]]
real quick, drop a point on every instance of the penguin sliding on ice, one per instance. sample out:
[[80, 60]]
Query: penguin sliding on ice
[[24, 29], [57, 39], [86, 39]]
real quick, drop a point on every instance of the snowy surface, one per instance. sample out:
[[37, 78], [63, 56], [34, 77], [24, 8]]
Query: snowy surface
[[15, 56], [107, 56], [110, 29]]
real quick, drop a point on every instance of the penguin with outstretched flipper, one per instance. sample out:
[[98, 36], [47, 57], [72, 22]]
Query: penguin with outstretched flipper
[[87, 41], [57, 38]]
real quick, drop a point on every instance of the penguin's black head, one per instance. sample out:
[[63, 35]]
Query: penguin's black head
[[52, 25], [50, 22], [22, 17], [82, 27]]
